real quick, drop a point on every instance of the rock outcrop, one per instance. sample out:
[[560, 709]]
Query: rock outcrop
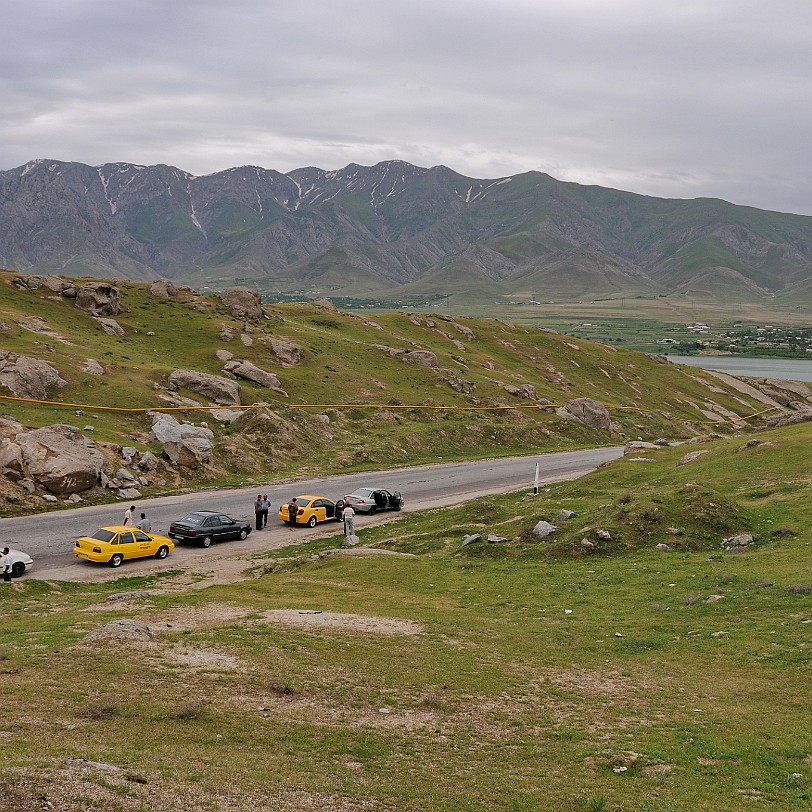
[[98, 299], [250, 372], [423, 358], [163, 289], [287, 352], [59, 458], [590, 412], [184, 444], [221, 390], [243, 303], [28, 377]]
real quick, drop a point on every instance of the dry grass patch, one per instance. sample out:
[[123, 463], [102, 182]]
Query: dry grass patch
[[315, 620]]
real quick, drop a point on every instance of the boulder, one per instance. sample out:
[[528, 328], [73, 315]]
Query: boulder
[[111, 327], [494, 539], [544, 529], [591, 413], [242, 303], [60, 459], [287, 351], [163, 289], [27, 377], [148, 461], [224, 355], [526, 391], [423, 358], [250, 372], [471, 538], [92, 367], [690, 457], [191, 452], [213, 387], [460, 385], [587, 544], [564, 514], [740, 540], [165, 429], [99, 299]]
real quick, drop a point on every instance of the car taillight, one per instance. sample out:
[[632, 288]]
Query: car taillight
[[97, 549], [300, 512], [192, 532]]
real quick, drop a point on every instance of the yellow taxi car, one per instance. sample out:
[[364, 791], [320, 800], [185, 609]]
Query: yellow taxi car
[[113, 545], [309, 510]]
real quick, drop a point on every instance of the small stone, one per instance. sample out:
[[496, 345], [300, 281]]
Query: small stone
[[494, 539], [471, 539], [49, 498], [564, 514], [663, 548], [544, 529], [587, 544], [603, 534]]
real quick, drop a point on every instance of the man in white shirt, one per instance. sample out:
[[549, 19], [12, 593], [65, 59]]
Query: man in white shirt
[[6, 563], [128, 515]]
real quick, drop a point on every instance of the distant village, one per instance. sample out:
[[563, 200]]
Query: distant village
[[745, 340]]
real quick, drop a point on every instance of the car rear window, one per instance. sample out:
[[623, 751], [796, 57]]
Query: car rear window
[[103, 535], [193, 518], [365, 493]]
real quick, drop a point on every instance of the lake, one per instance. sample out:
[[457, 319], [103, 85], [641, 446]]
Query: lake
[[790, 369]]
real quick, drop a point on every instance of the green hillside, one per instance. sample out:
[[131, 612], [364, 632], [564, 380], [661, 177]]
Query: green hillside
[[352, 392]]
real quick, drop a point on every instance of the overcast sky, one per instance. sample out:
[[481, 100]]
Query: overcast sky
[[685, 98]]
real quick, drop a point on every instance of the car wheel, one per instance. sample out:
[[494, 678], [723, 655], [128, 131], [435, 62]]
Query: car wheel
[[373, 510], [206, 542], [116, 560], [243, 534], [397, 506], [311, 522], [163, 551], [17, 569]]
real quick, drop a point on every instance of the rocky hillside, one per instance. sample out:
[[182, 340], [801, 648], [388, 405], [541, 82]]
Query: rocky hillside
[[394, 228], [113, 389]]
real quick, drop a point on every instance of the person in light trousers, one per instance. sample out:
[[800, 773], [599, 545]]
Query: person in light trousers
[[349, 524]]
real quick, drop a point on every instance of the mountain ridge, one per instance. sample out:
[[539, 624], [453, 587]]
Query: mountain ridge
[[391, 227]]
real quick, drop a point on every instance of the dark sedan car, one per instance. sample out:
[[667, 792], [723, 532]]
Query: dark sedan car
[[371, 500], [205, 526]]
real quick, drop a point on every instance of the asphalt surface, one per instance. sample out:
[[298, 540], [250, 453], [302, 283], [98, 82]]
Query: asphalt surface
[[48, 538]]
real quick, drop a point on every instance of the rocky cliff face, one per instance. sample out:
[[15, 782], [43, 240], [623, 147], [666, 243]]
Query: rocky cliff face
[[390, 225]]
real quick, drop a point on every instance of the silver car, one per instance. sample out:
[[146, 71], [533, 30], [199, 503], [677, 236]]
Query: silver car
[[371, 500]]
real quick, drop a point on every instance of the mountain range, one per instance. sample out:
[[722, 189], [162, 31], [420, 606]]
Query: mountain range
[[394, 229]]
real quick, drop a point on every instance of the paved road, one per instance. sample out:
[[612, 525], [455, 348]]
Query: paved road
[[49, 537]]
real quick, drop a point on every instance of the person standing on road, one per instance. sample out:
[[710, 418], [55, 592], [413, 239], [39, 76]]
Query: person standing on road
[[144, 524], [258, 511], [128, 515], [293, 509], [349, 521], [266, 506], [7, 564]]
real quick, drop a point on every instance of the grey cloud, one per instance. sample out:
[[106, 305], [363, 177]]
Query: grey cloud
[[683, 100]]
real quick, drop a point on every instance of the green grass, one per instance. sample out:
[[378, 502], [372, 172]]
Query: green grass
[[543, 677]]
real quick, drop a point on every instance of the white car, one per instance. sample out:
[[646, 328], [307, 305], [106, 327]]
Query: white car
[[20, 562]]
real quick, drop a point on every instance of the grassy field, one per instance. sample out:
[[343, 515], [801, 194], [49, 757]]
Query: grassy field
[[524, 675]]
